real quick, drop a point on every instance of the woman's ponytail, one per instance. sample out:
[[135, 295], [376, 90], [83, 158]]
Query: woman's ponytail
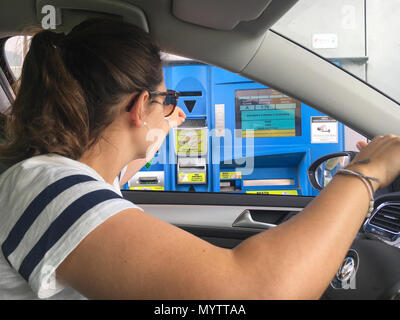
[[69, 84], [49, 113]]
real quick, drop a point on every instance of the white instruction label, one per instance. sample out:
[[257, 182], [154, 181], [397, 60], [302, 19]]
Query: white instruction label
[[324, 130], [220, 120], [324, 41]]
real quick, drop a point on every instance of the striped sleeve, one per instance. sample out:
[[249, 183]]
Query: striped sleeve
[[54, 223]]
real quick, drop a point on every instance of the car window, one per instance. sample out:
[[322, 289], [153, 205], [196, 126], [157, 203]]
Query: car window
[[15, 51], [239, 136]]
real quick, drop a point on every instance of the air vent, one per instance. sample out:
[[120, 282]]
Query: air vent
[[386, 221], [387, 217]]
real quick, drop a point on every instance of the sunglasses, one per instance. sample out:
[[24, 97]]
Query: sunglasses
[[170, 102]]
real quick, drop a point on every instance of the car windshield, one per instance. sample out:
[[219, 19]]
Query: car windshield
[[361, 36]]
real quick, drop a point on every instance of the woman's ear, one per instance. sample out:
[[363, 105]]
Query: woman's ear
[[137, 108]]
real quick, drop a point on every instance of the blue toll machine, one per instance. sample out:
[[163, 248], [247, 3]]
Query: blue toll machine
[[239, 136]]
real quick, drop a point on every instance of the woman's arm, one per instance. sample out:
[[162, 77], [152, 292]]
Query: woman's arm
[[134, 255], [174, 120]]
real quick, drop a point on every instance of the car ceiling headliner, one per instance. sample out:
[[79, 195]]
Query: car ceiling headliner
[[230, 49]]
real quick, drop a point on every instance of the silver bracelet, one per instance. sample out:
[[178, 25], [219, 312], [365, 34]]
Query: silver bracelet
[[367, 182]]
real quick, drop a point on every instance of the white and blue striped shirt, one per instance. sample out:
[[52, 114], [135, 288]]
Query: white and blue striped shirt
[[48, 205]]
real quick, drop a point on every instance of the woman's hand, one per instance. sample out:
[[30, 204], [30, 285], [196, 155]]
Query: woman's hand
[[384, 159], [361, 144], [176, 118]]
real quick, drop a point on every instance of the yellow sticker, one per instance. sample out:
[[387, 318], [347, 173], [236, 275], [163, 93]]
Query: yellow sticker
[[185, 177], [230, 175], [191, 142], [275, 192], [156, 188], [268, 133]]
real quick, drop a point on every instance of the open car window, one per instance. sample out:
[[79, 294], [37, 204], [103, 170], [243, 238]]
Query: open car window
[[239, 136]]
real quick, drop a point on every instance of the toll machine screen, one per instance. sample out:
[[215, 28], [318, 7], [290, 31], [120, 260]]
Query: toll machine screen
[[268, 112]]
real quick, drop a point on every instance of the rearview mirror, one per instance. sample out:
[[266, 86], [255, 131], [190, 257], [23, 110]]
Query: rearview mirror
[[321, 171]]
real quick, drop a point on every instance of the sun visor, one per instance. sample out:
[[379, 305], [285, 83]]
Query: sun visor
[[219, 14], [69, 13]]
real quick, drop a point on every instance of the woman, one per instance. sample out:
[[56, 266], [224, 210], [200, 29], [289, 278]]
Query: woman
[[86, 103]]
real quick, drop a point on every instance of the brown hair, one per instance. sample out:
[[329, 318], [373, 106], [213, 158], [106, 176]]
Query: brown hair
[[69, 84]]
